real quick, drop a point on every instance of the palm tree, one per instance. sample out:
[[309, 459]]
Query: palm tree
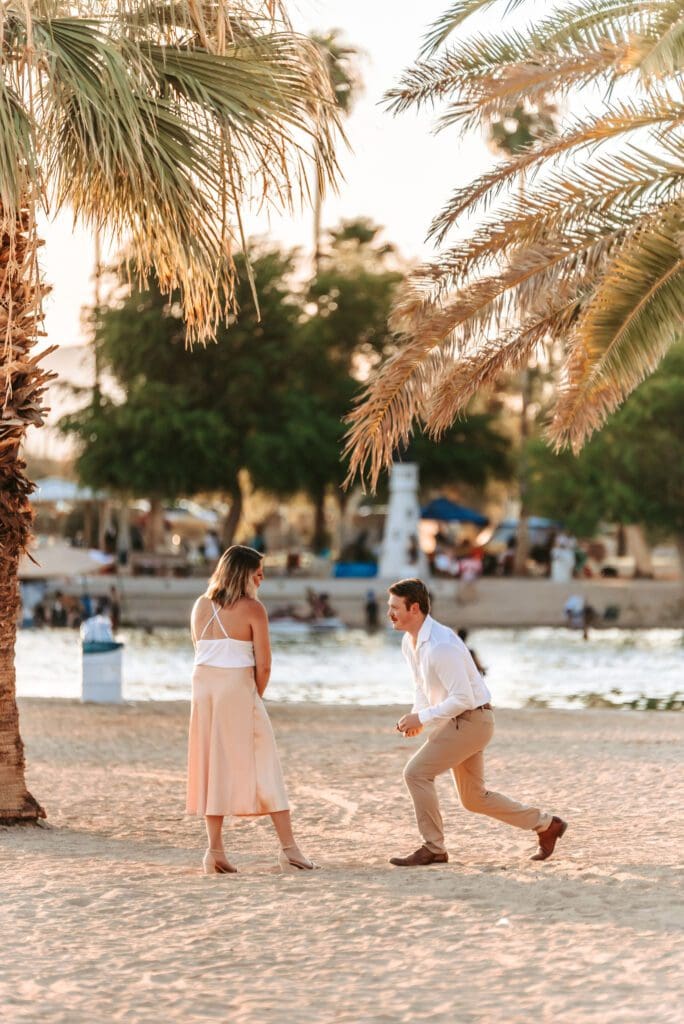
[[341, 61], [591, 258], [152, 120]]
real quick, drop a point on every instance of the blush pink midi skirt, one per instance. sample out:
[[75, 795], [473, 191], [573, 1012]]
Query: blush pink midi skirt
[[233, 764]]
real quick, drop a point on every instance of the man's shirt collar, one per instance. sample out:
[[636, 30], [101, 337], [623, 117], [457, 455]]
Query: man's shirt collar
[[425, 631]]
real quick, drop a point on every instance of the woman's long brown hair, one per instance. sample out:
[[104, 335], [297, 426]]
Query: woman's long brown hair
[[230, 579]]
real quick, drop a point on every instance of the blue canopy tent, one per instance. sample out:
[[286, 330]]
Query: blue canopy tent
[[446, 511]]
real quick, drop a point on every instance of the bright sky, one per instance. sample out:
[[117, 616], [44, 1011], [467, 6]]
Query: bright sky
[[398, 172]]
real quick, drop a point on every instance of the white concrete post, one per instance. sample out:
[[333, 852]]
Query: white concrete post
[[400, 555]]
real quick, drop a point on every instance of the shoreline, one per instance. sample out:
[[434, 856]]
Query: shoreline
[[495, 602], [580, 706]]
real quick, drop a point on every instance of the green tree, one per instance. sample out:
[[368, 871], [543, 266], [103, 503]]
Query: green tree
[[592, 258], [470, 453], [345, 333], [184, 422], [631, 472]]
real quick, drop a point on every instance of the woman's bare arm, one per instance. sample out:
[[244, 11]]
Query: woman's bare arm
[[195, 620], [262, 646]]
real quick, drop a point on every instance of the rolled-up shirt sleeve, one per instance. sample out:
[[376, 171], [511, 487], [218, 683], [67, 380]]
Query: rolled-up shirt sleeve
[[448, 663]]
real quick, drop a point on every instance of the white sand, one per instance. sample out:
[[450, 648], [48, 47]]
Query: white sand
[[106, 917]]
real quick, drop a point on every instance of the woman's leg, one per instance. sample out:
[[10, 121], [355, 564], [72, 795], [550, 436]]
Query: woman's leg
[[214, 824], [282, 822], [215, 858]]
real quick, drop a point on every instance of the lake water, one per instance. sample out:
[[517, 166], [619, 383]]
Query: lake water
[[555, 666]]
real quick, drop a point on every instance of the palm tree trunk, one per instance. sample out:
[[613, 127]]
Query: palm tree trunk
[[16, 803], [232, 520], [320, 534], [22, 382], [317, 219], [679, 541], [154, 533]]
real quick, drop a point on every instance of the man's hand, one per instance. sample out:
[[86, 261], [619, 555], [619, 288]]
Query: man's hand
[[410, 725]]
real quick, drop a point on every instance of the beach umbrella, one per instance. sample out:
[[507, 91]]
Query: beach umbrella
[[446, 511], [55, 561]]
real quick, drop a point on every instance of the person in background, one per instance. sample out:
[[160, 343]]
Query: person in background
[[114, 608], [58, 611], [371, 609], [212, 546], [86, 606], [259, 541], [507, 558], [98, 628], [39, 615], [463, 634]]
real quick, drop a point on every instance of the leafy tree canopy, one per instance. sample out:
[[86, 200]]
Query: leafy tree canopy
[[631, 472]]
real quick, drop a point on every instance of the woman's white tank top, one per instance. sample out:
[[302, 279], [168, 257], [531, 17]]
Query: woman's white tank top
[[223, 652]]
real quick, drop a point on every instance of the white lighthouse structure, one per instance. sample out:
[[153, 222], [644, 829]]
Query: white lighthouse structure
[[400, 554]]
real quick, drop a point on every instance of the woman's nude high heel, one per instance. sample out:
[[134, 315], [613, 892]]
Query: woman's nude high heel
[[214, 867], [291, 859]]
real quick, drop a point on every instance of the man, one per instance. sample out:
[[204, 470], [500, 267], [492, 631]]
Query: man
[[98, 628], [452, 698]]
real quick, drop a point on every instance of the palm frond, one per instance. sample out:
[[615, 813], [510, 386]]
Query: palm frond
[[161, 144], [632, 318], [589, 205], [456, 15], [18, 162], [500, 85], [660, 51], [590, 257], [595, 20], [490, 98], [663, 114], [385, 411], [460, 377], [399, 393]]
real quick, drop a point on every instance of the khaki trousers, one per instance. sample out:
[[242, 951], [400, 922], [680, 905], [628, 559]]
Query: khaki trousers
[[457, 746]]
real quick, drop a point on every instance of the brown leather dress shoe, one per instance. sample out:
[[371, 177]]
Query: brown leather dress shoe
[[549, 837], [420, 858]]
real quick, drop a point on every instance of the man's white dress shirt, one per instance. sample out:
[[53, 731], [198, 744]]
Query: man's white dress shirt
[[446, 679]]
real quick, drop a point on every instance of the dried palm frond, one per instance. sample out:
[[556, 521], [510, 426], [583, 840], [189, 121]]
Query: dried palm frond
[[589, 258], [662, 113]]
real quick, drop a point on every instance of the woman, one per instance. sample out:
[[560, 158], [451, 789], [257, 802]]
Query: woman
[[233, 766]]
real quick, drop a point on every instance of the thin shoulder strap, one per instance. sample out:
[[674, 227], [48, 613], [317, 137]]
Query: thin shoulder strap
[[215, 615]]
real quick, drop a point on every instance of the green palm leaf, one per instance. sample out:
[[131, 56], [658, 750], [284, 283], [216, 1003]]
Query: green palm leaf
[[18, 161], [630, 322]]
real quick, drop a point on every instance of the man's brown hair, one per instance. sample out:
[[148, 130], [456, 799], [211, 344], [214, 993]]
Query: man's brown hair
[[413, 591]]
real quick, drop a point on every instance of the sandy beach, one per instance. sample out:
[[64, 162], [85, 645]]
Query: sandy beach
[[106, 917]]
